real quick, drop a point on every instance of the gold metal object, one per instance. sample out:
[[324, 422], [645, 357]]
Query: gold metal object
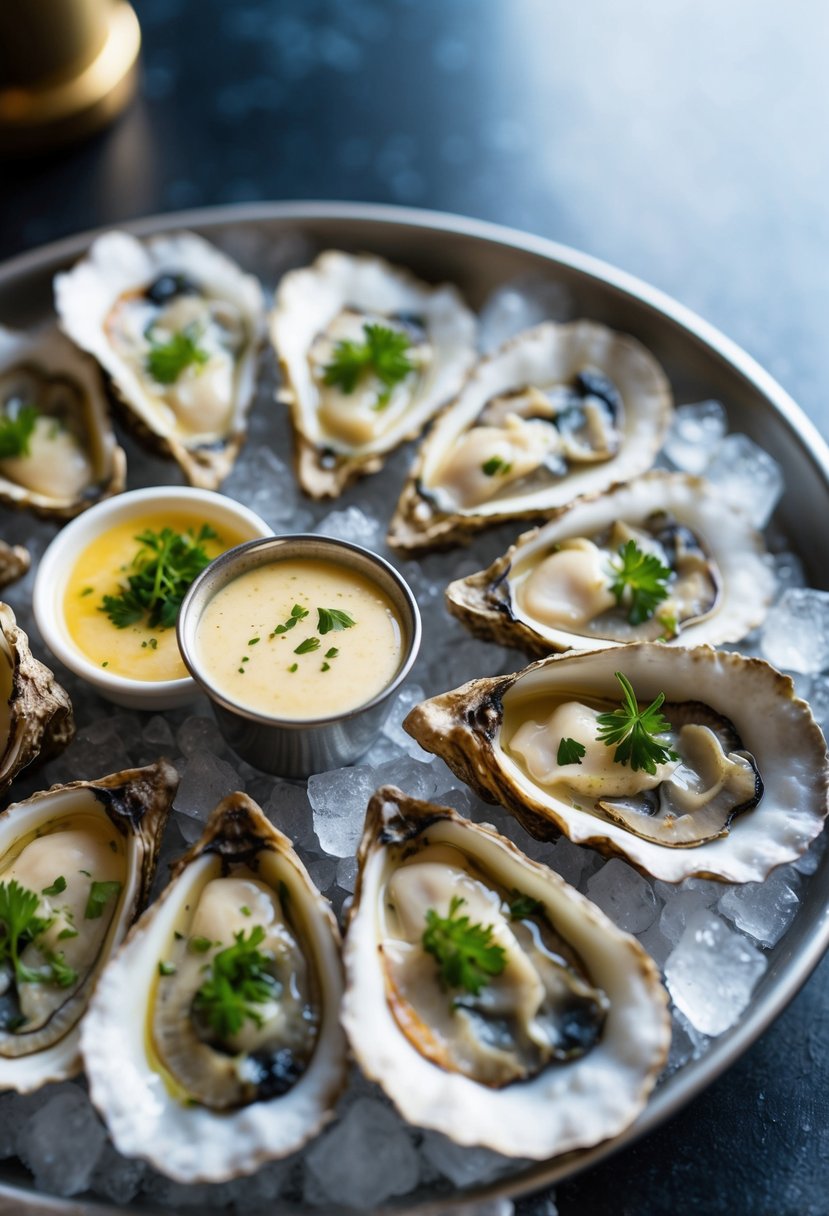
[[67, 67]]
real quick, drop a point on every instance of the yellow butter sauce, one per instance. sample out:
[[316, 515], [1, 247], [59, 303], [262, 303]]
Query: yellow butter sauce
[[136, 651], [249, 662]]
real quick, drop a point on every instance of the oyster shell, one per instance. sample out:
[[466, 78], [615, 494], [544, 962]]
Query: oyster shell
[[344, 432], [71, 459], [204, 1099], [36, 719], [574, 1008], [15, 561], [87, 853], [177, 326], [552, 589], [558, 411], [731, 719]]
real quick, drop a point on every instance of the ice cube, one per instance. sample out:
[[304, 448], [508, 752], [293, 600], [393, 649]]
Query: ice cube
[[520, 304], [568, 860], [656, 944], [264, 483], [712, 972], [323, 872], [347, 874], [463, 1166], [796, 632], [61, 1143], [353, 524], [696, 432], [750, 479], [788, 571], [368, 1157], [198, 734], [409, 696], [686, 1042], [624, 895], [339, 799], [765, 909], [205, 781], [158, 734], [117, 1178], [289, 810], [680, 905], [819, 701]]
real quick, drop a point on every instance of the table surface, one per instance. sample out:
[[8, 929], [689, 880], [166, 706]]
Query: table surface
[[684, 143]]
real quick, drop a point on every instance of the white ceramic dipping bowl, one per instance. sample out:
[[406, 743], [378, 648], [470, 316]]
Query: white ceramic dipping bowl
[[59, 560]]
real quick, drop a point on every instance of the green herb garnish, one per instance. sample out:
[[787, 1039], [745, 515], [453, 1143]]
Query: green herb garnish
[[16, 432], [57, 886], [329, 619], [253, 641], [640, 580], [100, 893], [306, 647], [383, 354], [298, 613], [237, 982], [166, 968], [635, 732], [22, 925], [86, 591], [496, 464], [570, 751], [199, 945], [463, 950], [332, 653], [325, 667], [521, 906], [163, 569], [293, 667], [166, 361]]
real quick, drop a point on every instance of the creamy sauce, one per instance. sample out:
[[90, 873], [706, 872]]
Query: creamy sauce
[[244, 658], [136, 651]]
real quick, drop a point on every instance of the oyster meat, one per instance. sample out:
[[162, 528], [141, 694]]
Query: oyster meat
[[558, 587], [212, 1043], [58, 453], [177, 327], [736, 782], [489, 999], [76, 864], [36, 719], [557, 412], [368, 354]]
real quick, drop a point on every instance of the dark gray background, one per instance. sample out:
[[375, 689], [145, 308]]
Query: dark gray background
[[684, 141]]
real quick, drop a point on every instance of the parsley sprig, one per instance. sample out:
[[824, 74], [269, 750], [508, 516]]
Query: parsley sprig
[[163, 569], [464, 952], [238, 981], [16, 432], [640, 580], [329, 619], [298, 613], [383, 354], [570, 751], [21, 925], [636, 732], [496, 465], [166, 361]]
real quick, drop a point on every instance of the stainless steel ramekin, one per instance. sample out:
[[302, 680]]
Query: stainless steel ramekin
[[291, 747]]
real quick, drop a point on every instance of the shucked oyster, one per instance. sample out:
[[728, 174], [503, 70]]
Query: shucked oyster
[[559, 411], [36, 719], [369, 353], [76, 864], [546, 1036], [578, 583], [733, 784], [58, 453], [212, 1043], [177, 327]]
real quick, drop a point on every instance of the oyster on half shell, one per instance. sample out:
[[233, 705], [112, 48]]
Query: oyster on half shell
[[36, 719], [177, 327], [59, 453], [552, 590], [212, 1042], [558, 411], [345, 426], [745, 791], [83, 855], [553, 1045]]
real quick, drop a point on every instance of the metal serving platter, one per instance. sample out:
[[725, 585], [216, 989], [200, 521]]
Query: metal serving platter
[[700, 362]]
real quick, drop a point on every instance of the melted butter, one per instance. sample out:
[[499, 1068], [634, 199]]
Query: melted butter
[[103, 567], [258, 674]]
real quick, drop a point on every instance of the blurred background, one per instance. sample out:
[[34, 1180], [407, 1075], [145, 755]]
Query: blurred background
[[684, 142]]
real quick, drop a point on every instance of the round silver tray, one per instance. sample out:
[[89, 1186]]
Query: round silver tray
[[700, 362]]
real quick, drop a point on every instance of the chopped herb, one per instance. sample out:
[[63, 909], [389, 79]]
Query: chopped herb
[[325, 667], [16, 432], [253, 641], [237, 981], [383, 354], [22, 925], [570, 751], [670, 626], [199, 945], [521, 906], [307, 646], [246, 658], [635, 731], [151, 642], [100, 893], [105, 663], [245, 910], [86, 591], [298, 613], [640, 580], [496, 464], [86, 872], [329, 619], [67, 933], [166, 361], [241, 670], [293, 667], [463, 950], [166, 968], [162, 571], [57, 886], [332, 653], [178, 936], [61, 973]]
